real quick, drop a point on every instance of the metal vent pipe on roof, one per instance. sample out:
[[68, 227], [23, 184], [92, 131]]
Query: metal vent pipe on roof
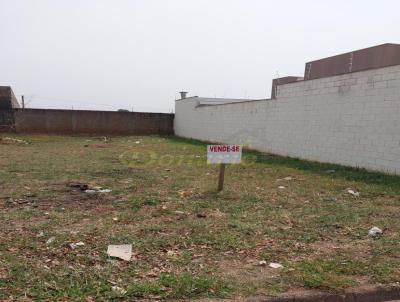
[[183, 94]]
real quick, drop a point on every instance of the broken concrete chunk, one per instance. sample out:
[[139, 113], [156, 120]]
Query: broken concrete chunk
[[375, 232], [13, 140], [354, 193], [118, 290], [275, 265], [89, 188], [75, 245], [50, 240], [122, 251], [91, 191]]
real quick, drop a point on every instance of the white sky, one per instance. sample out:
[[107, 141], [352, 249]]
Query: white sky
[[137, 54]]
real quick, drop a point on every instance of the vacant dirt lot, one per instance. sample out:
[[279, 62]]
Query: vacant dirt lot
[[188, 241]]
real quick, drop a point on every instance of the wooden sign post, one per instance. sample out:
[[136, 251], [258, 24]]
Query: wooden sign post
[[221, 177], [222, 155]]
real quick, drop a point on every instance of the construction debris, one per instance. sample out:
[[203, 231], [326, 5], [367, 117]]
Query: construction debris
[[50, 240], [352, 192], [75, 245], [375, 232], [10, 140], [91, 191], [275, 265], [118, 290], [84, 187], [122, 251]]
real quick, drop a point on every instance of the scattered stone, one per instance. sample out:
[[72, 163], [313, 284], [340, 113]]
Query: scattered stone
[[289, 178], [375, 232], [122, 251], [75, 245], [118, 290], [354, 193], [50, 240], [13, 140], [275, 265], [40, 234], [92, 191], [84, 187]]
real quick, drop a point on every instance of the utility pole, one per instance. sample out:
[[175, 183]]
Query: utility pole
[[23, 102]]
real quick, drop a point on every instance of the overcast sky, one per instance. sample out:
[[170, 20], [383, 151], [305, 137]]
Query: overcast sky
[[137, 54]]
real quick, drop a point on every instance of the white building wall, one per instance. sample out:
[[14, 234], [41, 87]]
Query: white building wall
[[351, 119]]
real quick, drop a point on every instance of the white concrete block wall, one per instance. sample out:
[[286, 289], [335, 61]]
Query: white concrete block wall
[[351, 119]]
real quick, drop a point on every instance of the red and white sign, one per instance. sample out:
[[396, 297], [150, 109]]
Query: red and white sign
[[224, 154]]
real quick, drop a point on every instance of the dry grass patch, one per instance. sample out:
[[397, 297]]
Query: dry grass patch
[[188, 241]]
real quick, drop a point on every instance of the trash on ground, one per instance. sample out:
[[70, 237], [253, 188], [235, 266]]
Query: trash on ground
[[179, 212], [281, 187], [262, 263], [40, 234], [275, 265], [50, 240], [9, 140], [137, 142], [184, 193], [91, 191], [118, 290], [122, 251], [354, 193], [115, 218], [84, 187], [75, 245], [289, 178], [375, 231]]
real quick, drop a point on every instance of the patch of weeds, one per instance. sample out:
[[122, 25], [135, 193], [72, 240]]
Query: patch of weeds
[[188, 286], [245, 228], [327, 274], [144, 289], [386, 272], [139, 202]]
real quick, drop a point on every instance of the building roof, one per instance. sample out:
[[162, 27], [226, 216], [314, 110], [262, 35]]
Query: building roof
[[7, 98], [218, 101]]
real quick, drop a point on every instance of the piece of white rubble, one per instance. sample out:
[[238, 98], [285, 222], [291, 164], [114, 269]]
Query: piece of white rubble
[[275, 265], [375, 231], [122, 251]]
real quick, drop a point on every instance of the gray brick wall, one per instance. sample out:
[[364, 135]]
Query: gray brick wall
[[351, 119]]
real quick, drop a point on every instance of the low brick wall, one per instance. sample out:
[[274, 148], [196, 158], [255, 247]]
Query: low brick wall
[[6, 120], [53, 121]]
